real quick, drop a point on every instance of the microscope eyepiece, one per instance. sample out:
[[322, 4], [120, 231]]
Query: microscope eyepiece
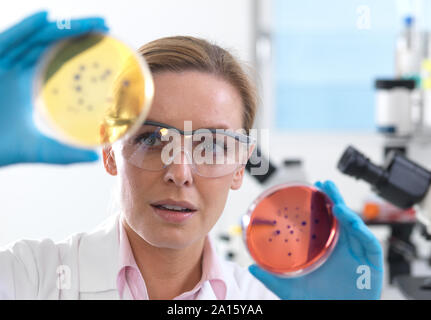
[[355, 164], [348, 162], [400, 181]]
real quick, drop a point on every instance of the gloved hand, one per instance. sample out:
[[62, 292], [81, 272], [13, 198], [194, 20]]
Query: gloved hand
[[353, 271], [20, 48]]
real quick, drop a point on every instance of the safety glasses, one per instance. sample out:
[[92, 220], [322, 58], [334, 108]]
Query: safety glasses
[[211, 153]]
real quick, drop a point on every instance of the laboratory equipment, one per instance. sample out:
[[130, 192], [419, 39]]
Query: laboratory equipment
[[290, 229], [400, 181], [356, 249], [291, 169], [394, 106], [404, 184], [21, 47], [377, 210], [91, 90], [403, 110], [426, 84], [402, 102], [409, 50]]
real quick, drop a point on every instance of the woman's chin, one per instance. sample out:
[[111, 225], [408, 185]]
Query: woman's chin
[[175, 240], [171, 244]]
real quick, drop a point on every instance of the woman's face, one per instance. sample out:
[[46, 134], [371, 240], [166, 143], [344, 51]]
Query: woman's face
[[209, 102]]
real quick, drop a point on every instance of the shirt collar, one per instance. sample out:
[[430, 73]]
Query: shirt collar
[[211, 267]]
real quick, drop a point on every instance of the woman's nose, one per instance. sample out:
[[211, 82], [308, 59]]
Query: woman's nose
[[179, 171]]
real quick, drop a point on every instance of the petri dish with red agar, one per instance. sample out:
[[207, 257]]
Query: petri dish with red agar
[[290, 230]]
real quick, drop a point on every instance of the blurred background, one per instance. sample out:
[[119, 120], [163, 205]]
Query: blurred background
[[316, 64]]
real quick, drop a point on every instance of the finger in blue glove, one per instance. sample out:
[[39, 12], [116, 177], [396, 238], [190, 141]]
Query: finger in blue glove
[[21, 46]]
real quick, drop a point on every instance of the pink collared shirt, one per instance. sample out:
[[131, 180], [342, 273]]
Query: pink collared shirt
[[131, 284]]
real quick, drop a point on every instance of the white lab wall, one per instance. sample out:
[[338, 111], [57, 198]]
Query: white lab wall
[[139, 21]]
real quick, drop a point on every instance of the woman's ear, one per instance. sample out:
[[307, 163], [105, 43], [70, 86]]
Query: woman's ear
[[237, 179], [109, 160], [239, 174]]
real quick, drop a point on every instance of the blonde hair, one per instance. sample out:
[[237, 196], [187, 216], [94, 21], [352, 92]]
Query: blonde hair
[[183, 53]]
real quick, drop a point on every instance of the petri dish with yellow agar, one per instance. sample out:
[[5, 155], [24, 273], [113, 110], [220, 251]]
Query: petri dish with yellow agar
[[289, 230], [92, 90]]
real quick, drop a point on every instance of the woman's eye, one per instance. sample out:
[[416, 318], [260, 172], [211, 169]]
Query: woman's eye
[[149, 139], [215, 147]]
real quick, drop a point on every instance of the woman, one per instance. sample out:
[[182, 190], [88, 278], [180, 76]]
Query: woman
[[157, 247], [201, 83]]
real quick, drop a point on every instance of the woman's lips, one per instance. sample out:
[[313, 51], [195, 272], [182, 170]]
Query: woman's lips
[[171, 215]]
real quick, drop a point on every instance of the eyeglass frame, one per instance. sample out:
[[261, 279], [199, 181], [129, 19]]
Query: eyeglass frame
[[238, 136], [242, 138]]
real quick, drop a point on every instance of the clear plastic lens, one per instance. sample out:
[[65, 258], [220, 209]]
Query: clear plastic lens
[[210, 154], [290, 230], [92, 90]]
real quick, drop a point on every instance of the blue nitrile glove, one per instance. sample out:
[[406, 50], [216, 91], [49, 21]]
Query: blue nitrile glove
[[20, 48], [354, 270]]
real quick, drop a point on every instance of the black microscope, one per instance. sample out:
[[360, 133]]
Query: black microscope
[[404, 184]]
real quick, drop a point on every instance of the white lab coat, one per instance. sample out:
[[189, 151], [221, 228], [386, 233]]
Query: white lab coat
[[85, 266]]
